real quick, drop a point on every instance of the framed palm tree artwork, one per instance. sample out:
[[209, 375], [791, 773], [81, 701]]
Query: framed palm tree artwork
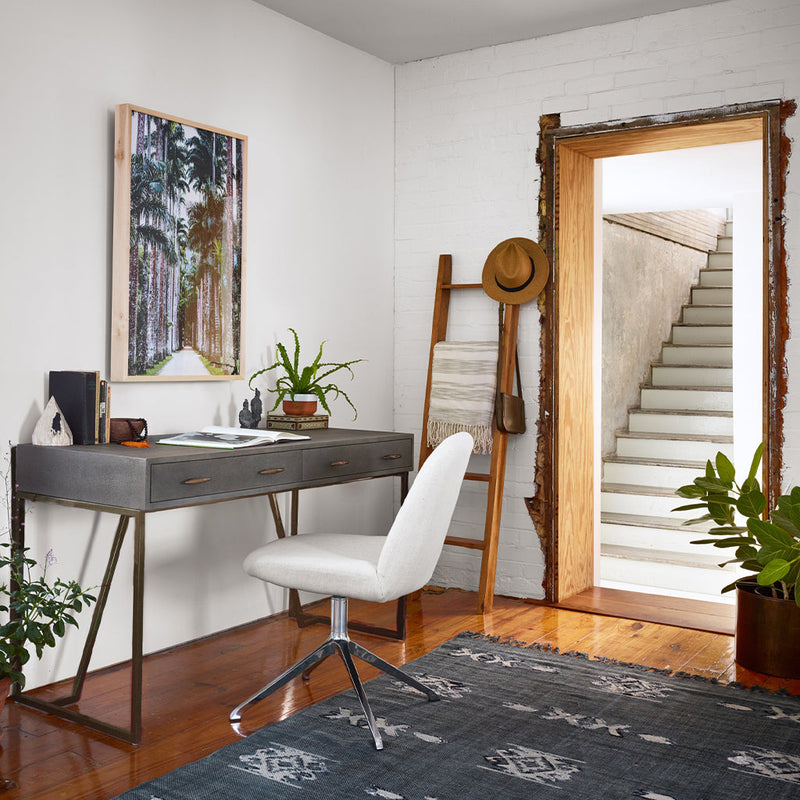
[[179, 249]]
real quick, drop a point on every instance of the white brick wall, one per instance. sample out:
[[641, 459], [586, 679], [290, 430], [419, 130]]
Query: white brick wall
[[466, 178]]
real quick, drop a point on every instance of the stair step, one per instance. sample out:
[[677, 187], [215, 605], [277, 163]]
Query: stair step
[[714, 295], [702, 334], [652, 446], [703, 354], [717, 398], [634, 567], [722, 260], [690, 375], [716, 277], [657, 532], [680, 422], [695, 558], [729, 228], [707, 315], [725, 244], [645, 501], [649, 472]]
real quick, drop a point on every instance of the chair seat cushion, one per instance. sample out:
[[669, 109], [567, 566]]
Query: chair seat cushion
[[338, 564]]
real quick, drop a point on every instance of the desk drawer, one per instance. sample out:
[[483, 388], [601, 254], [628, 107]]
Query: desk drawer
[[371, 459], [207, 477]]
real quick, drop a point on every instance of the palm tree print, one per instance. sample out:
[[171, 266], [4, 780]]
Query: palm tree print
[[185, 258]]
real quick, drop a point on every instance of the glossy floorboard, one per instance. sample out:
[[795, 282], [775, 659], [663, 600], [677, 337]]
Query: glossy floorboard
[[190, 690]]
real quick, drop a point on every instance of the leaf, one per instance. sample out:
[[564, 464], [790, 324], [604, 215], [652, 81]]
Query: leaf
[[725, 469], [767, 533], [712, 484], [756, 461], [690, 491], [718, 542], [746, 551], [751, 504], [690, 507], [774, 571]]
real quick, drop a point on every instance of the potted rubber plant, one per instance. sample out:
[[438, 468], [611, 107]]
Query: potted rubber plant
[[299, 388], [768, 600], [35, 609]]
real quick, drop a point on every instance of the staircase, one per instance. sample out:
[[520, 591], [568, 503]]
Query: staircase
[[684, 417]]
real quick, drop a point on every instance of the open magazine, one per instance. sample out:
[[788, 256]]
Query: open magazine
[[230, 438]]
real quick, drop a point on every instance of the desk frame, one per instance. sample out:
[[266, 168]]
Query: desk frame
[[133, 734]]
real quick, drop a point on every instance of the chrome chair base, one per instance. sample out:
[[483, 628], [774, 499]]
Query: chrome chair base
[[340, 642]]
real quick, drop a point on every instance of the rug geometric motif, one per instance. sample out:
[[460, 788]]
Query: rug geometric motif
[[514, 723]]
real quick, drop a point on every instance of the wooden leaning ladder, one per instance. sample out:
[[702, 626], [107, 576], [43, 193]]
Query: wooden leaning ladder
[[497, 469]]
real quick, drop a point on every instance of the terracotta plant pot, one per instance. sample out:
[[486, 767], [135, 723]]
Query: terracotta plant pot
[[301, 406], [767, 632]]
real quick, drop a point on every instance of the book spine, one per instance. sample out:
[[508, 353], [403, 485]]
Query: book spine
[[102, 413], [93, 406]]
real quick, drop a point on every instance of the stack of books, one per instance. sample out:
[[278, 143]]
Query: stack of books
[[85, 402], [285, 422]]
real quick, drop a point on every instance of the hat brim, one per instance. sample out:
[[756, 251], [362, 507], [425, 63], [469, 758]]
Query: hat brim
[[541, 272]]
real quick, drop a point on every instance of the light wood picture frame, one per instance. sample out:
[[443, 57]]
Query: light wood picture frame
[[180, 208]]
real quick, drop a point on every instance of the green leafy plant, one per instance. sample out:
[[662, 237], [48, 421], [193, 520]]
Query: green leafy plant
[[306, 380], [35, 611], [768, 548]]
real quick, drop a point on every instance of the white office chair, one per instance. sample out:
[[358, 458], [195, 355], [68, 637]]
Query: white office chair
[[376, 568]]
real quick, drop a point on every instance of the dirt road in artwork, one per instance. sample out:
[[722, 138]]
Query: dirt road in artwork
[[184, 362]]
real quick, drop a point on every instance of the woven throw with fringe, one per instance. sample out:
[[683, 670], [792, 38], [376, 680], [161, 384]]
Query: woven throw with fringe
[[463, 378]]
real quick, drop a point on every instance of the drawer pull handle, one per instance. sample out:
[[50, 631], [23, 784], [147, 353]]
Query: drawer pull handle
[[273, 471], [392, 457], [339, 463], [193, 481]]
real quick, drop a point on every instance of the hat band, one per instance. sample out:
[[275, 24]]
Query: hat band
[[521, 286]]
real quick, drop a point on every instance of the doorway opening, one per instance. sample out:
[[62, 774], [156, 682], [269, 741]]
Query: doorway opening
[[564, 505], [681, 343]]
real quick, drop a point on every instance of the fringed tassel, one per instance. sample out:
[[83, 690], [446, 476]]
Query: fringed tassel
[[439, 430]]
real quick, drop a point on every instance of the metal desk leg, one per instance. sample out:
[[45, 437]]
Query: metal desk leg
[[57, 706], [303, 618]]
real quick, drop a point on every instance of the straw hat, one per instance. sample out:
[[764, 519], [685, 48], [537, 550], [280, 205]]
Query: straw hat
[[516, 271]]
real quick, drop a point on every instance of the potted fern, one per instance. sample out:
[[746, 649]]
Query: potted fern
[[768, 600], [300, 388], [35, 609]]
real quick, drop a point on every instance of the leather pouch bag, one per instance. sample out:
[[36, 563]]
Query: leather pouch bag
[[127, 429], [511, 413]]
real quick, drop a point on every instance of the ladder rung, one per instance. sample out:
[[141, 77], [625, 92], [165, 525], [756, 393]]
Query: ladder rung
[[461, 286], [460, 541], [477, 476]]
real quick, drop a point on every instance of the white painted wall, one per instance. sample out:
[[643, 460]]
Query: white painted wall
[[319, 116], [467, 132]]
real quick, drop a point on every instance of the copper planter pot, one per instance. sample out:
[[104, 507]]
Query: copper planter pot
[[767, 632], [302, 405]]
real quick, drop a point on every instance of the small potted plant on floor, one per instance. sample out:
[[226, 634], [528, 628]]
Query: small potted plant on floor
[[768, 601], [299, 388], [35, 609]]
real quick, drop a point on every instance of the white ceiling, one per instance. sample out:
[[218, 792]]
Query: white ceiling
[[399, 31]]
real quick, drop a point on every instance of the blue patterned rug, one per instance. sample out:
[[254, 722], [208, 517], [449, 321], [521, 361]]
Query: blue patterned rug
[[516, 722]]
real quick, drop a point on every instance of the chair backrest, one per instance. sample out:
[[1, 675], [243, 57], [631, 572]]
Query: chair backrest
[[417, 535]]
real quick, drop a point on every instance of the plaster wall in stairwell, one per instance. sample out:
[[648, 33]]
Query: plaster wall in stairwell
[[646, 280]]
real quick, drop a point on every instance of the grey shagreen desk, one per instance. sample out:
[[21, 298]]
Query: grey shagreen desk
[[131, 482]]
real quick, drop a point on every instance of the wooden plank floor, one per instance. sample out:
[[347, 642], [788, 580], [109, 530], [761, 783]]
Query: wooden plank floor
[[699, 614], [190, 690]]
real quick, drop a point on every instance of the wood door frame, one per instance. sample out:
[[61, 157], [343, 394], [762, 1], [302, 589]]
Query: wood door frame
[[562, 507]]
